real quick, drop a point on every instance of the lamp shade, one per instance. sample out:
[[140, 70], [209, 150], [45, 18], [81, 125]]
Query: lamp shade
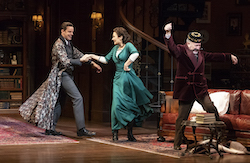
[[93, 15], [39, 18], [34, 18], [98, 15]]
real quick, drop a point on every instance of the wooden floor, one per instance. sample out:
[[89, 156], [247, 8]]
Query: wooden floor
[[92, 152]]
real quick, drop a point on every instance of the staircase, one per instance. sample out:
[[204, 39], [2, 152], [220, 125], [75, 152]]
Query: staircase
[[149, 66]]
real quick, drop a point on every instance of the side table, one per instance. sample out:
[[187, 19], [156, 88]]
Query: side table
[[216, 128]]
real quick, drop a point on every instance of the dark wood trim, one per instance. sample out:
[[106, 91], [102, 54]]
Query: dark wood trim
[[140, 33]]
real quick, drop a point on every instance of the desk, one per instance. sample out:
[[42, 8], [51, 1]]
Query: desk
[[216, 130]]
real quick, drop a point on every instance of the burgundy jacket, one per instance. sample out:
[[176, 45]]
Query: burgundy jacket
[[190, 81]]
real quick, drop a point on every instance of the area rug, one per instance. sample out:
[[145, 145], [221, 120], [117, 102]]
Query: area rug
[[146, 143], [14, 132]]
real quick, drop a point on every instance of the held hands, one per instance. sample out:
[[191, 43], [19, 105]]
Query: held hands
[[88, 57], [234, 59], [85, 58]]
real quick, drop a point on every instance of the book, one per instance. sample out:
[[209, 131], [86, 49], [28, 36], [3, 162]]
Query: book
[[16, 95], [205, 118], [4, 95], [14, 105], [205, 115], [4, 71], [5, 37], [4, 105], [7, 83]]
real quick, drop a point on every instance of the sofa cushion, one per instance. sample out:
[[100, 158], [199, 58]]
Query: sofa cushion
[[233, 122], [220, 100], [234, 100], [245, 104], [236, 122]]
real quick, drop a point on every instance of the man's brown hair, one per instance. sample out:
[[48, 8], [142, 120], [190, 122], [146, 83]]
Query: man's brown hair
[[65, 25]]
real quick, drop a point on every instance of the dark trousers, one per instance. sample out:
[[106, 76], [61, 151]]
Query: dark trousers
[[69, 88], [184, 111]]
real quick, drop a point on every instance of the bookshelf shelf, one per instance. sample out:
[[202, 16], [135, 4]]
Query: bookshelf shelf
[[10, 100], [11, 89], [10, 77], [8, 111], [10, 65], [11, 46]]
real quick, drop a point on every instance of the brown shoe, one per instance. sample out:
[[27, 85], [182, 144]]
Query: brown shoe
[[85, 132]]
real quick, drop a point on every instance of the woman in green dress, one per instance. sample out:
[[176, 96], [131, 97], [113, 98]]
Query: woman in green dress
[[130, 97]]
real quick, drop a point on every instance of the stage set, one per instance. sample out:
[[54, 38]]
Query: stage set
[[29, 144]]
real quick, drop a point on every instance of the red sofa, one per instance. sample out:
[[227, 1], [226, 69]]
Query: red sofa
[[237, 118]]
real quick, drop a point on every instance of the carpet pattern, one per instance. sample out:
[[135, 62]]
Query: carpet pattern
[[14, 132], [146, 143]]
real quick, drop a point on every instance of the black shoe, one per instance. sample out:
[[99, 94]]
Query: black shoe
[[130, 131], [115, 135], [177, 147], [85, 132], [131, 138], [130, 135], [52, 132]]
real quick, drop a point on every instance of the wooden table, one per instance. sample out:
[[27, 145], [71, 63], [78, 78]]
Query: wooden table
[[216, 128]]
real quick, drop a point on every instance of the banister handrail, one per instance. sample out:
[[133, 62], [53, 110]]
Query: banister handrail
[[140, 33], [149, 39]]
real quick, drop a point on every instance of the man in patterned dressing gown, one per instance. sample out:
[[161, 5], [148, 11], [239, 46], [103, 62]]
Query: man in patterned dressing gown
[[44, 107]]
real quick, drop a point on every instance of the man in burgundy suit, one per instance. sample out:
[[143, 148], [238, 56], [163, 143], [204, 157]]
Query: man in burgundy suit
[[190, 82]]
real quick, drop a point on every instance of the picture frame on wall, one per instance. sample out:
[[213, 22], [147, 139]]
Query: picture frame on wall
[[234, 24], [206, 18]]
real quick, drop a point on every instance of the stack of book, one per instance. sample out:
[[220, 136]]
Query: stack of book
[[4, 95], [7, 83], [4, 37], [14, 105], [4, 71], [4, 105], [16, 95], [205, 118]]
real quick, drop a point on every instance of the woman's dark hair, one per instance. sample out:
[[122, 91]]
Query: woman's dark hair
[[65, 25], [120, 31]]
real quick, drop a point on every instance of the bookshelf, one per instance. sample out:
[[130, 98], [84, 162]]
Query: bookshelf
[[13, 51]]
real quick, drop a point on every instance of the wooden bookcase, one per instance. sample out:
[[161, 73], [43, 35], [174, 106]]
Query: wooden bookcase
[[13, 52]]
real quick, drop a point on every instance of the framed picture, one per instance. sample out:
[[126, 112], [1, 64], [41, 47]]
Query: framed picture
[[234, 24], [206, 18]]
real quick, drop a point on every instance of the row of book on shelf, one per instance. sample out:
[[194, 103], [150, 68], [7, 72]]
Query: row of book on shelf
[[10, 71], [4, 37], [11, 35], [7, 95], [10, 105], [10, 83]]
